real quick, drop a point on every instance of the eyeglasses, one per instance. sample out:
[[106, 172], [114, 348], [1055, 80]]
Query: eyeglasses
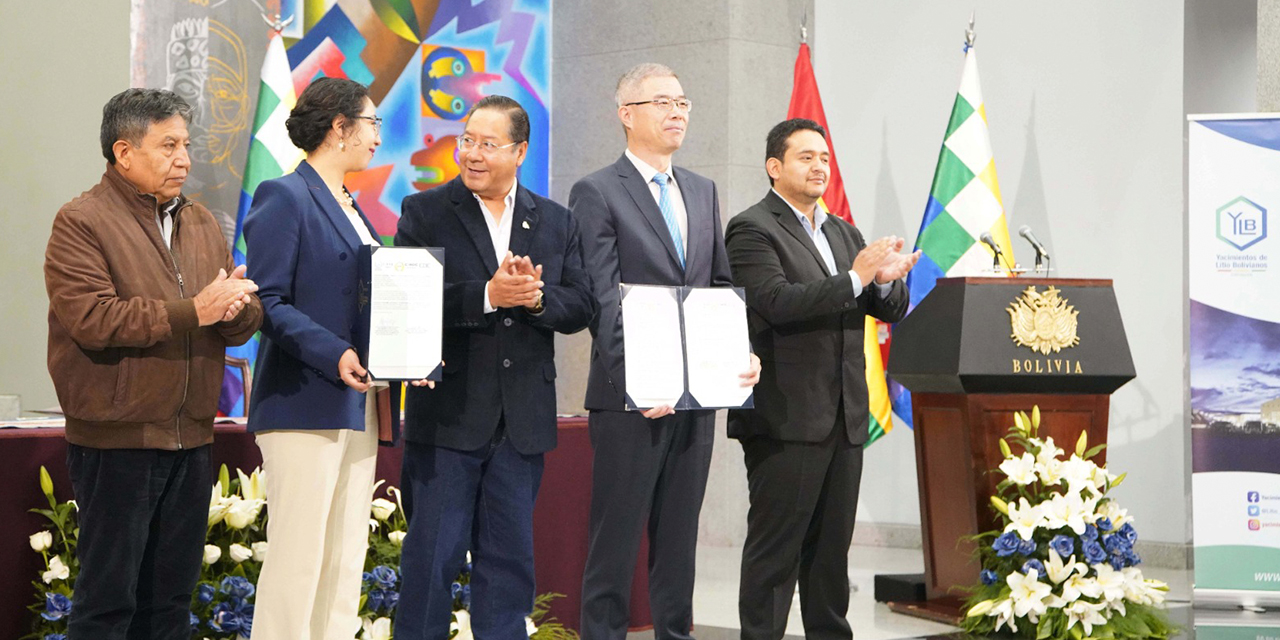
[[467, 143], [377, 122], [666, 104]]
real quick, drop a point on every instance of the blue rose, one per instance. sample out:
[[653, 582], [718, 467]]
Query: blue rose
[[466, 597], [1004, 546], [1093, 552], [385, 577], [56, 636], [205, 593], [195, 621], [1132, 558], [1027, 547], [56, 606], [989, 577], [389, 600], [237, 587], [1104, 524], [246, 620], [375, 600], [1064, 545], [1090, 532], [1033, 565], [1129, 533], [225, 617], [366, 577], [455, 590]]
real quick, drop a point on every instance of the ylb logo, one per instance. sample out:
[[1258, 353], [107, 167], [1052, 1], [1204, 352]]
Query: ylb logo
[[1242, 223]]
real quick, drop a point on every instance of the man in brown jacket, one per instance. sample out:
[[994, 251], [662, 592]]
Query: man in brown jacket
[[143, 300]]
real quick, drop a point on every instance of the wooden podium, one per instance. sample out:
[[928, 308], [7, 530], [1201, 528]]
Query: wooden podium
[[973, 353]]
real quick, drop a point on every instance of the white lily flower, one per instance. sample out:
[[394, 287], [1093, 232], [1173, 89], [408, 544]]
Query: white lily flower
[[1050, 473], [1078, 474], [241, 513], [1101, 477], [1080, 585], [1112, 584], [1024, 518], [41, 541], [1028, 594], [1058, 572], [1021, 470], [57, 570], [1086, 614], [1003, 613], [373, 525], [212, 553], [217, 505], [529, 627], [1049, 452], [1156, 591], [1111, 510], [260, 551], [379, 629], [383, 508], [461, 625], [239, 553], [254, 485], [1066, 511], [396, 538]]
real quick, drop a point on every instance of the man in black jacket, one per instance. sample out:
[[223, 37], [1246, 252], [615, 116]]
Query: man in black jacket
[[474, 445], [811, 282]]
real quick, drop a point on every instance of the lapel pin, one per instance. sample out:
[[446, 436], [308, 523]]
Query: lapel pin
[[524, 223]]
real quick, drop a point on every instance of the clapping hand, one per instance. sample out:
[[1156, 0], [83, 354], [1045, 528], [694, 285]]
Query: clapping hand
[[896, 265], [510, 288]]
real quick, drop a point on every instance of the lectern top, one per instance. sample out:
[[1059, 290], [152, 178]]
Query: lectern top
[[1026, 280]]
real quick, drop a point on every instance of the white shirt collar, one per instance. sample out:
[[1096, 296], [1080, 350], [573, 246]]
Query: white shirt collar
[[509, 201], [819, 216], [646, 171]]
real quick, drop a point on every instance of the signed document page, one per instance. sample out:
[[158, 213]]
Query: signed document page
[[406, 289], [653, 346], [717, 345]]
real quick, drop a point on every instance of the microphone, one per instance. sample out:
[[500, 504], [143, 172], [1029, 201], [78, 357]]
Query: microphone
[[1025, 232], [1041, 253], [991, 242]]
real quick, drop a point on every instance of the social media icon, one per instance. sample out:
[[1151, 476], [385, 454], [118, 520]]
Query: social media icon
[[1254, 496], [1254, 525], [1254, 510]]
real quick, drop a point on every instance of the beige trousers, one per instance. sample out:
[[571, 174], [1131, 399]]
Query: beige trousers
[[319, 487]]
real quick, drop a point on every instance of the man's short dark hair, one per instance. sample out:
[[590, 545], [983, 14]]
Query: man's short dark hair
[[323, 100], [776, 143], [128, 115], [515, 113]]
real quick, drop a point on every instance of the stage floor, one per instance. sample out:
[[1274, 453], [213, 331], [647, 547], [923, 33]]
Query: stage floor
[[716, 596]]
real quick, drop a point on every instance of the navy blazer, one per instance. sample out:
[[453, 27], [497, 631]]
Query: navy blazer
[[302, 252], [625, 239], [499, 365]]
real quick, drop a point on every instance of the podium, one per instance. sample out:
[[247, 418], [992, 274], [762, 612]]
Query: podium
[[973, 353]]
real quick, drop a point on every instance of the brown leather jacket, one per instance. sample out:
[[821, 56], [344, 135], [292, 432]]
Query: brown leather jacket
[[131, 365]]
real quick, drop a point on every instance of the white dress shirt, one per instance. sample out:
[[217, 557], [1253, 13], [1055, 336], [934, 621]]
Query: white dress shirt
[[819, 238], [361, 228], [499, 232], [165, 222], [673, 191]]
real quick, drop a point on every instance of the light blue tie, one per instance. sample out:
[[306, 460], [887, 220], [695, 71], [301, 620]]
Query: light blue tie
[[669, 214]]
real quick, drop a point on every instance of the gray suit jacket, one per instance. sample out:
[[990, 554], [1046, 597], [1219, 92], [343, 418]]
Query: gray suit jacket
[[624, 239]]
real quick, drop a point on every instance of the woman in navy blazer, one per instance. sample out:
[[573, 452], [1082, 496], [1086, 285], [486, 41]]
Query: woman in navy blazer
[[312, 410]]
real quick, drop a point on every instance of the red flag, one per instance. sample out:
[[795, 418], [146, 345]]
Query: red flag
[[806, 103]]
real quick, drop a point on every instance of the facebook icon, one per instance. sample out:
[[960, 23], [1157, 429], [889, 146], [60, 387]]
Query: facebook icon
[[1254, 496]]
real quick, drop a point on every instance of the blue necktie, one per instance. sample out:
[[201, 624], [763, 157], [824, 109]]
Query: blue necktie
[[669, 214]]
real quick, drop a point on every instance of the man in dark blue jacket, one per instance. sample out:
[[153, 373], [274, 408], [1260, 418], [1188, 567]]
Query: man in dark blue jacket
[[474, 445]]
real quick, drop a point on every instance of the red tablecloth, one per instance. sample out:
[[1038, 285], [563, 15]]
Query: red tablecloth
[[560, 519]]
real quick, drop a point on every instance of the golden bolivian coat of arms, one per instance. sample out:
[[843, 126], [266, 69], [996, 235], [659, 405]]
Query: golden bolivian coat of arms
[[1043, 322]]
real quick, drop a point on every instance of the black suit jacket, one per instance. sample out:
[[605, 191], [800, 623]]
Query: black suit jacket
[[624, 239], [502, 363], [805, 324]]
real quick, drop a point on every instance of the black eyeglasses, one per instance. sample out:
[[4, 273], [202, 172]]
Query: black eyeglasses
[[377, 122], [666, 104]]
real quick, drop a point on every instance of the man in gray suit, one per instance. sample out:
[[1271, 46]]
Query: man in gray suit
[[644, 221]]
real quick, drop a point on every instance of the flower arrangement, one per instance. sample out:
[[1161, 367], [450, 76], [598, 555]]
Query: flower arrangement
[[1063, 565], [236, 545]]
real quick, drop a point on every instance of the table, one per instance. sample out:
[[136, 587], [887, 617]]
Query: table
[[560, 517]]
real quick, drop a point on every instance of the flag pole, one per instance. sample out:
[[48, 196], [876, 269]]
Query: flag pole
[[969, 35]]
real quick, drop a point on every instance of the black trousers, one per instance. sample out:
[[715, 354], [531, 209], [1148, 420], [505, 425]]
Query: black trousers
[[143, 516], [804, 499], [654, 469]]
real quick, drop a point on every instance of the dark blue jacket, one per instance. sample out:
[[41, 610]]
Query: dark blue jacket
[[302, 252], [502, 363]]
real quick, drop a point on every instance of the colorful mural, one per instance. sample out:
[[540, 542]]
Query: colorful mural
[[425, 62]]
